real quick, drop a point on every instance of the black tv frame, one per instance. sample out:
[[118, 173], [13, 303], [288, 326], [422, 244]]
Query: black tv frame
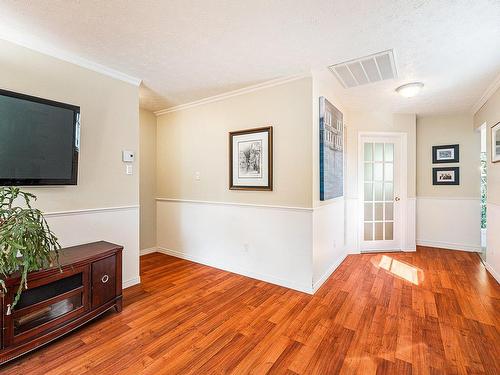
[[43, 181]]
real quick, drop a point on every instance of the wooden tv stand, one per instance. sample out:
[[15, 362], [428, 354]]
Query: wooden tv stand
[[58, 302]]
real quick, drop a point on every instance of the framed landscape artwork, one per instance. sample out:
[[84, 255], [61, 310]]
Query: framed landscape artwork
[[446, 176], [251, 159], [445, 154], [331, 150], [495, 143]]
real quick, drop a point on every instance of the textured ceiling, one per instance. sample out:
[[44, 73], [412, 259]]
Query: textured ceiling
[[185, 50]]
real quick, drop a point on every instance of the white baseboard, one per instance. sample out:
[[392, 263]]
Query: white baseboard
[[329, 272], [131, 282], [149, 250], [493, 273], [239, 271], [450, 246]]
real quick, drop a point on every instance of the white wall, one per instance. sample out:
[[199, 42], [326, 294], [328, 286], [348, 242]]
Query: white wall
[[105, 203], [116, 225], [328, 240], [449, 223], [267, 243], [493, 240]]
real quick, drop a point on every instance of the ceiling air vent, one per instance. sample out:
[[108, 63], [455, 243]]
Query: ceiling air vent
[[364, 70]]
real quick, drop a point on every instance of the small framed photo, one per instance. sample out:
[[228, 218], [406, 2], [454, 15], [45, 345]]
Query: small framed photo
[[251, 159], [495, 143], [445, 154], [446, 176]]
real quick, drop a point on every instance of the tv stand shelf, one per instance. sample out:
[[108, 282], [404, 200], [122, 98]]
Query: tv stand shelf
[[59, 301]]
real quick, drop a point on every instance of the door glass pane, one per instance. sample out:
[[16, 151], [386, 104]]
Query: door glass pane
[[25, 321], [378, 168], [368, 151], [379, 191], [368, 231], [379, 152], [379, 211], [389, 193], [389, 231], [389, 172], [389, 211], [368, 211], [379, 171], [368, 171], [368, 191], [379, 231], [389, 152]]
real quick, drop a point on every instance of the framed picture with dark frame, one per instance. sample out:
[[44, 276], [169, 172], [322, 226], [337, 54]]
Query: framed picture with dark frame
[[446, 176], [251, 159], [445, 154], [495, 143]]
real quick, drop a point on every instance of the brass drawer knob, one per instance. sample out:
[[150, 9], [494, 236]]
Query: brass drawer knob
[[105, 279]]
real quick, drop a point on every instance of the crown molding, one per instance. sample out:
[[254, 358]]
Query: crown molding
[[24, 41], [230, 94], [490, 90]]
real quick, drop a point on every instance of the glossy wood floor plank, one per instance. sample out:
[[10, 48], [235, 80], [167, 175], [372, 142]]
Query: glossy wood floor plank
[[429, 312]]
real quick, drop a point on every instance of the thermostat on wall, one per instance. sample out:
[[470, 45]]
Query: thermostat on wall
[[128, 156]]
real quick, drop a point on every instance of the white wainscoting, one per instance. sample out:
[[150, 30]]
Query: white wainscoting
[[493, 243], [273, 244], [119, 225], [449, 223], [328, 240]]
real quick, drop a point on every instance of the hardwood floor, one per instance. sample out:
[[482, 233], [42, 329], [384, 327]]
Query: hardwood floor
[[429, 312]]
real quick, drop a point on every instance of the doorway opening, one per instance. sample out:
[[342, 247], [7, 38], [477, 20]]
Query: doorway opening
[[484, 191]]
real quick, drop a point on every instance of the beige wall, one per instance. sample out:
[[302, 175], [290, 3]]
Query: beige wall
[[147, 125], [448, 130], [109, 124], [490, 114], [378, 122], [196, 140]]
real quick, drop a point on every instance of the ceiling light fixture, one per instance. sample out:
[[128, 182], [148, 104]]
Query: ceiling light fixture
[[410, 89]]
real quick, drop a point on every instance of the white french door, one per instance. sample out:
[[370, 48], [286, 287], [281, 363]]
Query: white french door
[[380, 192]]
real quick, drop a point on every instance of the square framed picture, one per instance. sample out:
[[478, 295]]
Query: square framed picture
[[445, 154], [251, 159], [446, 176], [495, 143]]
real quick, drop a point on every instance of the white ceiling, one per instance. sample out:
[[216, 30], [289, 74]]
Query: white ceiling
[[185, 50]]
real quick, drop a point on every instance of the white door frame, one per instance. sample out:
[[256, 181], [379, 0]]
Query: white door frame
[[403, 167]]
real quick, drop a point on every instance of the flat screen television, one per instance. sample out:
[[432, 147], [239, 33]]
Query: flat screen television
[[39, 141]]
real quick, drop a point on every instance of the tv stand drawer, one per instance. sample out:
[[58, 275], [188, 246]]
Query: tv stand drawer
[[103, 281]]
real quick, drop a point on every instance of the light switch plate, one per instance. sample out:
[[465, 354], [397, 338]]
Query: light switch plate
[[129, 169]]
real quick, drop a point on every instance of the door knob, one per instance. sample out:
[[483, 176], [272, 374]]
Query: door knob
[[397, 199]]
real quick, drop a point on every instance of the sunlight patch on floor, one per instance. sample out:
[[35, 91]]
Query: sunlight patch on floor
[[401, 269]]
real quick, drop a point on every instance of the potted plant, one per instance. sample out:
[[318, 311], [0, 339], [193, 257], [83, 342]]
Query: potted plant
[[26, 242]]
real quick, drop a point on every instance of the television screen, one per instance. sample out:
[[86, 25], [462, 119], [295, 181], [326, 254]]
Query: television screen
[[38, 141]]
